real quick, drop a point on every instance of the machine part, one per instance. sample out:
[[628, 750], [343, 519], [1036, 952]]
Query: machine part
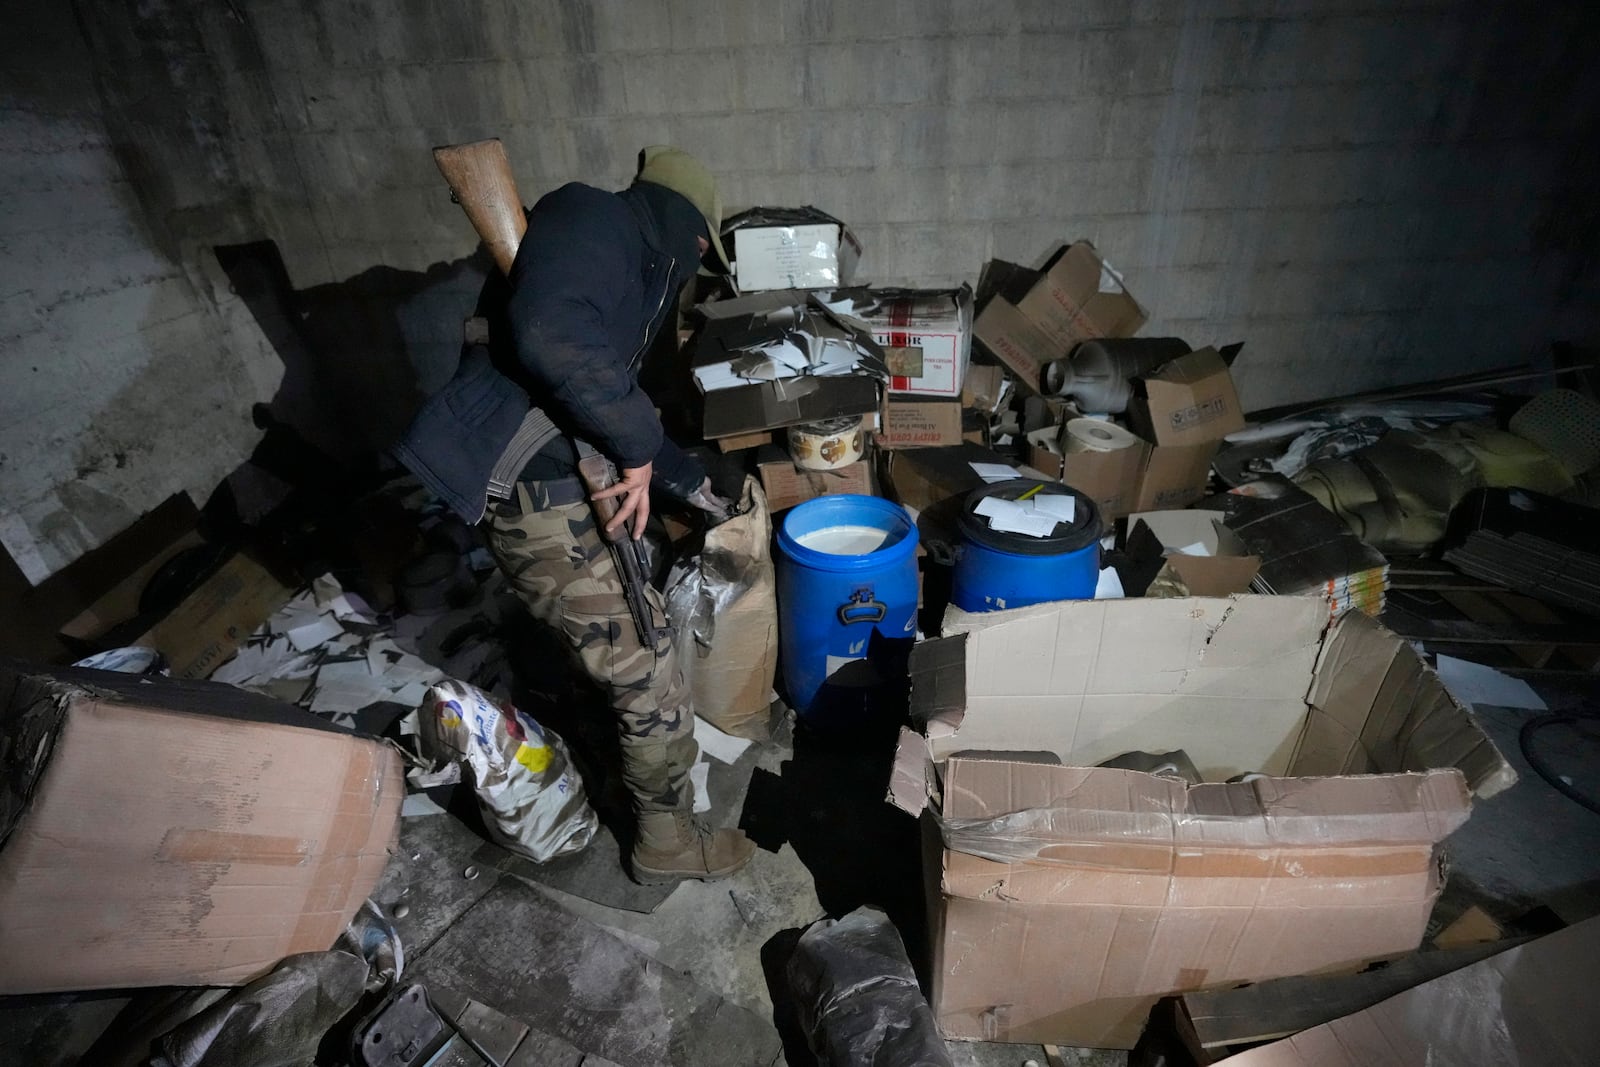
[[403, 1031], [1099, 374], [1174, 764]]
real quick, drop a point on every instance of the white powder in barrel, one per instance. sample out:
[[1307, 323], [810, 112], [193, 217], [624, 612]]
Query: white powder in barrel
[[844, 540]]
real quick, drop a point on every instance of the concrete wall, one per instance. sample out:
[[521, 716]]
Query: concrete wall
[[122, 377], [1364, 192]]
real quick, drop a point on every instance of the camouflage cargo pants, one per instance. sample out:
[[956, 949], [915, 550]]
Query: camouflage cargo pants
[[547, 545]]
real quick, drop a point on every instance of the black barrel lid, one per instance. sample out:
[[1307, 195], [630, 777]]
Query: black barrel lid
[[1083, 531]]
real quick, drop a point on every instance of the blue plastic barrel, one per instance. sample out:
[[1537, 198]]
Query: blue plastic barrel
[[996, 570], [847, 582]]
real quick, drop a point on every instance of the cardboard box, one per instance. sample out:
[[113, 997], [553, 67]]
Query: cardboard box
[[1195, 547], [790, 248], [982, 389], [1029, 318], [734, 327], [926, 336], [1071, 897], [1529, 1005], [1079, 296], [210, 624], [787, 485], [1012, 338], [1182, 410], [919, 423], [1110, 479], [1175, 475], [1186, 401], [160, 832], [745, 440], [921, 478], [120, 603]]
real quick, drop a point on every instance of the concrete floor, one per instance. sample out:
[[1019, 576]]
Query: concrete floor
[[830, 844]]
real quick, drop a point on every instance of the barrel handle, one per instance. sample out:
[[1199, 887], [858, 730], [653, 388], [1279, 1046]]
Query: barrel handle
[[862, 608]]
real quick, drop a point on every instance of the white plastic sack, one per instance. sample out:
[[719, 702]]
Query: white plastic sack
[[532, 799]]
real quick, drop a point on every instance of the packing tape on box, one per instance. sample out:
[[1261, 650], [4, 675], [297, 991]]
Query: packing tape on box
[[1095, 435], [826, 446]]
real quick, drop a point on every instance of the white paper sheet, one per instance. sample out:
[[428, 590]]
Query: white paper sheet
[[717, 744], [1059, 507], [1109, 585], [1197, 549], [1474, 683], [700, 775], [995, 472], [416, 804]]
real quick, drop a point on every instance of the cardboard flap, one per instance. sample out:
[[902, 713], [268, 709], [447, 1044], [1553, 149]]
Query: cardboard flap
[[911, 779], [33, 713], [1224, 679], [938, 670], [1375, 709], [1186, 401], [1036, 813]]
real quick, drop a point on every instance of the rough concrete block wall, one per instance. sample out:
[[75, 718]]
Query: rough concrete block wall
[[1359, 191], [123, 382], [1364, 191]]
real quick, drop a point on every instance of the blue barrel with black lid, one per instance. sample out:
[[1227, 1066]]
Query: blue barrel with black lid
[[996, 570], [847, 587]]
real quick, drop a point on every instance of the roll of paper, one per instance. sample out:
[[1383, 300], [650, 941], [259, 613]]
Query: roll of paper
[[826, 446], [1095, 435]]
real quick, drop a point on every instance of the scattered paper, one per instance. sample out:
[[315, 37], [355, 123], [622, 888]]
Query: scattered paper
[[995, 472], [700, 775], [308, 629], [1109, 585], [1016, 516], [1197, 549], [304, 655], [1059, 506], [1474, 683], [717, 744], [449, 774], [419, 804]]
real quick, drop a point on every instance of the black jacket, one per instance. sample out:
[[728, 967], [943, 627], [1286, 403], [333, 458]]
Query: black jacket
[[595, 278]]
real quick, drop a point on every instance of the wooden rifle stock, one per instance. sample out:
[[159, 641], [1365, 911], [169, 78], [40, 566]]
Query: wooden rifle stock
[[480, 181]]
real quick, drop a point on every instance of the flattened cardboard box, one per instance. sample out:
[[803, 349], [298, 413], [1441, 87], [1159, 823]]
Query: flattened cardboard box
[[210, 624], [1529, 1006], [1066, 900], [164, 832]]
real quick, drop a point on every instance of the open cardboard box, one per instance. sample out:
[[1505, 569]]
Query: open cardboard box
[[163, 832], [1181, 411], [1033, 317], [1065, 900], [1196, 547]]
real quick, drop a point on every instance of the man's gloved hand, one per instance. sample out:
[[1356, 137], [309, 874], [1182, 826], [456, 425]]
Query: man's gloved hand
[[709, 502]]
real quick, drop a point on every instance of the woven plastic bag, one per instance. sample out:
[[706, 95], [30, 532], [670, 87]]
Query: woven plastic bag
[[531, 797]]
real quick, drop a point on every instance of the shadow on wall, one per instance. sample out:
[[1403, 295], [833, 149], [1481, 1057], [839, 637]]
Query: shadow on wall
[[360, 356]]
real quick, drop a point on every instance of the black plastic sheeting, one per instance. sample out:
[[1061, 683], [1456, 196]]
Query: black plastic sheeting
[[858, 999]]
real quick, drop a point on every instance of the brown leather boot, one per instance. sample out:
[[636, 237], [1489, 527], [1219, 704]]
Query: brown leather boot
[[674, 844]]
